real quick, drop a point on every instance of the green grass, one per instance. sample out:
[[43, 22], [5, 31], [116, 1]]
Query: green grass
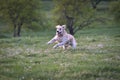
[[97, 57]]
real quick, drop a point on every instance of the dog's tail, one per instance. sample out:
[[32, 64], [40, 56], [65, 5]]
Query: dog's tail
[[74, 45]]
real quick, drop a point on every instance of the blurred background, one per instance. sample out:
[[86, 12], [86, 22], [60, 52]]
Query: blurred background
[[22, 17]]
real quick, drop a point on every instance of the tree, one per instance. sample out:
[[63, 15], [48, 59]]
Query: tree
[[18, 12], [76, 14], [115, 10], [95, 3]]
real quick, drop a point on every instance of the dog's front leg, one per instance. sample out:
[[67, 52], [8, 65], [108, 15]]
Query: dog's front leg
[[52, 40], [59, 44]]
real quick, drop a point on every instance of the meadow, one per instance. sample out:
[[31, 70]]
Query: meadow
[[97, 56]]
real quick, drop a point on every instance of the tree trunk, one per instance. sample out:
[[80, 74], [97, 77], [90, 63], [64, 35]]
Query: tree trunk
[[71, 29], [95, 3], [19, 29], [70, 25], [70, 21], [14, 33]]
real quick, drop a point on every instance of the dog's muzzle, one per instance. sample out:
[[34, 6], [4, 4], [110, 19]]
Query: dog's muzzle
[[58, 32]]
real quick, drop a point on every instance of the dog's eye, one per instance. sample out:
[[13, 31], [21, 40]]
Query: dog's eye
[[60, 28]]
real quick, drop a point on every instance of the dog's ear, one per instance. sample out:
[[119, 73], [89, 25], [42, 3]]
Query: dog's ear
[[57, 26], [64, 26]]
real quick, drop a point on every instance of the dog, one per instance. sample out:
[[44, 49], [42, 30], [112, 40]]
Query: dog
[[63, 38]]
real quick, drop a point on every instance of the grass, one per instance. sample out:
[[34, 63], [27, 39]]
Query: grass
[[97, 57]]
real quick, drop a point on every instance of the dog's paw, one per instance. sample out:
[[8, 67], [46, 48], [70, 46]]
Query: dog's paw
[[55, 46], [48, 43]]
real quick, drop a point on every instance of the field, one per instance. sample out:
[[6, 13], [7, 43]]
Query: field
[[97, 56]]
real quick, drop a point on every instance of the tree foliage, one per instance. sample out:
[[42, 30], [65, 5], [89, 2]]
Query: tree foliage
[[115, 10], [19, 12], [76, 14]]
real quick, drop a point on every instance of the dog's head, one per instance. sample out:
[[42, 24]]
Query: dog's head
[[60, 30]]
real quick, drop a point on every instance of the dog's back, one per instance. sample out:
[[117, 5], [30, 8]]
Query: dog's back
[[73, 42]]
